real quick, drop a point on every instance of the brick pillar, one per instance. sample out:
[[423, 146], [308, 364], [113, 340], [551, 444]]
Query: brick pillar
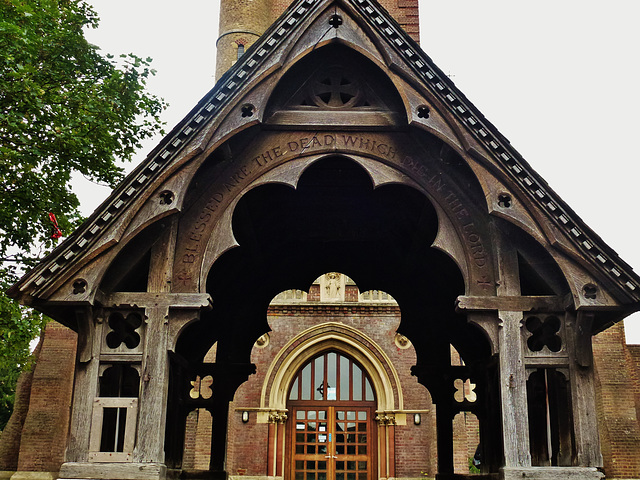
[[404, 11], [12, 433], [46, 427], [634, 359], [406, 14], [618, 417]]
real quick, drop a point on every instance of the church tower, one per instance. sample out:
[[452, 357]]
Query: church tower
[[241, 24], [243, 21]]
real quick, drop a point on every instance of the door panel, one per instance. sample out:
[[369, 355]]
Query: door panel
[[332, 443]]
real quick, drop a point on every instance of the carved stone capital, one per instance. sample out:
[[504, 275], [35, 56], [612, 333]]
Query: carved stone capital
[[386, 418], [278, 416]]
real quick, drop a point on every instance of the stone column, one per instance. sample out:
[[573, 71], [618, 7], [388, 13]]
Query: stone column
[[277, 422]]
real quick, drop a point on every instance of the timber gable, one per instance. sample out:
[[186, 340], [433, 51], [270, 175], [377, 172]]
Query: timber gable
[[193, 136]]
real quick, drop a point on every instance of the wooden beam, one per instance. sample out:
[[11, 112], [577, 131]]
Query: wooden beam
[[154, 300], [550, 303]]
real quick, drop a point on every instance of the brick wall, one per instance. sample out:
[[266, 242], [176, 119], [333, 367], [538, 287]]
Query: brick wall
[[188, 457], [633, 356], [241, 22], [406, 14], [46, 426], [257, 15], [404, 11], [617, 385], [12, 433], [415, 444], [466, 436]]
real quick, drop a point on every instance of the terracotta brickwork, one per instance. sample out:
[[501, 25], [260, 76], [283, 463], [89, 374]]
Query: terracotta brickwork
[[466, 437], [634, 360], [12, 433], [242, 21], [415, 444], [617, 386], [43, 437], [404, 11], [197, 441]]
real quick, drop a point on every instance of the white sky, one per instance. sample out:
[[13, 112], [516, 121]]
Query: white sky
[[559, 78]]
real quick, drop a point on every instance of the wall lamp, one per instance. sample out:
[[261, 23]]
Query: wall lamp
[[245, 416]]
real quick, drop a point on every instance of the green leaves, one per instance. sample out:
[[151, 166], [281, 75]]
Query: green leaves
[[18, 327], [64, 108]]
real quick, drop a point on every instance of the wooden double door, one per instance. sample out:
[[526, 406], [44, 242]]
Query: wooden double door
[[332, 433], [332, 442]]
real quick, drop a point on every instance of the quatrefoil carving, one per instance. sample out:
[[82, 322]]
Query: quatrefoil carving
[[544, 333], [464, 390], [123, 330], [201, 387], [334, 90]]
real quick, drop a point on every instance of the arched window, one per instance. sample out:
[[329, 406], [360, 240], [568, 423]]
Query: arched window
[[332, 377]]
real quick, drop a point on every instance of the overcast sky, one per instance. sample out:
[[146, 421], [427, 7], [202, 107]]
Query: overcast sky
[[559, 78]]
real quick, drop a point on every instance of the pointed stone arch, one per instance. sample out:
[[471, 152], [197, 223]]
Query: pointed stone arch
[[332, 336]]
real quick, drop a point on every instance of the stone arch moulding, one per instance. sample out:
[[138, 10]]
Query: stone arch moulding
[[326, 336]]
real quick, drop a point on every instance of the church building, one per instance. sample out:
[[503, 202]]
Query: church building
[[334, 268]]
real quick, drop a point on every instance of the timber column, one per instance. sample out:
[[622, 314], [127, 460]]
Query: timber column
[[241, 24], [513, 380]]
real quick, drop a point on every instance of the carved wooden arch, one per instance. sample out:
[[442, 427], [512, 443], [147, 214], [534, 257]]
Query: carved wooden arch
[[149, 214], [328, 336], [281, 157], [335, 85]]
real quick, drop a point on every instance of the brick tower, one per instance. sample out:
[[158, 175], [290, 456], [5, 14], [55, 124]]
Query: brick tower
[[243, 21]]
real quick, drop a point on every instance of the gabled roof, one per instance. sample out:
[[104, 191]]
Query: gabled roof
[[590, 245]]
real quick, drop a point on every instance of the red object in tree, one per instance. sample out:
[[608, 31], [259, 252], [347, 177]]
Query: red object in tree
[[57, 233]]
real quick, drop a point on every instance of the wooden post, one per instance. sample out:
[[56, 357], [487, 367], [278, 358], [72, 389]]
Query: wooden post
[[84, 389], [513, 377], [86, 381], [154, 389], [219, 428], [513, 392], [444, 431], [583, 393]]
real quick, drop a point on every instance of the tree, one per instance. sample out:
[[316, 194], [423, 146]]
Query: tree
[[64, 108], [18, 327]]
